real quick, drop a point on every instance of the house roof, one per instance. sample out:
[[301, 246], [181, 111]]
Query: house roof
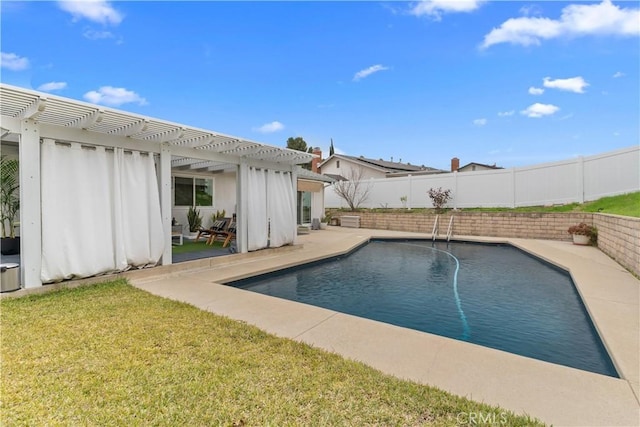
[[481, 164], [383, 165], [313, 176], [54, 110]]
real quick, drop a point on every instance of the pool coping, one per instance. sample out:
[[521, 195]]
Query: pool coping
[[554, 393]]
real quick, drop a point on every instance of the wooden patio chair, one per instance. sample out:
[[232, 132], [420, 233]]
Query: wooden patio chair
[[217, 226], [225, 236]]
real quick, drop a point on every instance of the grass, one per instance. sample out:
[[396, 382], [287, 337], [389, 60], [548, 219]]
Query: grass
[[192, 246], [626, 204], [110, 354]]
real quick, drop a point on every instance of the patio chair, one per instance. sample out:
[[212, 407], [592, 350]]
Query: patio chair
[[217, 226], [225, 236]]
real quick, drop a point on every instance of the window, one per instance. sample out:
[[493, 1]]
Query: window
[[188, 190], [337, 164]]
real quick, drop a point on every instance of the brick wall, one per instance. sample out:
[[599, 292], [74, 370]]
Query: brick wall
[[618, 236]]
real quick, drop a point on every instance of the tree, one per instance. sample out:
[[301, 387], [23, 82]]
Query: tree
[[354, 190], [299, 144], [331, 150]]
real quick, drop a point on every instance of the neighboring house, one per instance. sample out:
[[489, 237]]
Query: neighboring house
[[99, 187], [340, 167], [471, 167]]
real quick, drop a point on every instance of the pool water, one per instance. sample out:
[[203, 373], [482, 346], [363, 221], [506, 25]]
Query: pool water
[[492, 295]]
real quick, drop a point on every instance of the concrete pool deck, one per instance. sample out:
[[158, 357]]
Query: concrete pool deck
[[555, 394]]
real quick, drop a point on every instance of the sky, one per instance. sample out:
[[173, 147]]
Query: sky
[[512, 83]]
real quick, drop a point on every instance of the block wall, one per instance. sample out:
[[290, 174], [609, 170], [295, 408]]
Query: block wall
[[618, 236]]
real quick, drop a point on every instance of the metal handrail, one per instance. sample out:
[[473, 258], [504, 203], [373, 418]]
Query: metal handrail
[[434, 232], [450, 229]]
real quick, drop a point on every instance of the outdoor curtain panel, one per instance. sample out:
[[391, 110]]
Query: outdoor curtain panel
[[271, 209], [257, 220], [100, 211], [281, 208]]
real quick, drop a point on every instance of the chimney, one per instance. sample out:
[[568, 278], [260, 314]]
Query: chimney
[[315, 161], [455, 164]]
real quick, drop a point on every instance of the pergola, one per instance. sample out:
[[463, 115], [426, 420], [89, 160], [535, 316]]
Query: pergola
[[31, 117]]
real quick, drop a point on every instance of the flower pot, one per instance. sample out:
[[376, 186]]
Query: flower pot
[[581, 239]]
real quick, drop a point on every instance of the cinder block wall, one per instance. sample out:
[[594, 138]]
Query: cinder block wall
[[618, 236]]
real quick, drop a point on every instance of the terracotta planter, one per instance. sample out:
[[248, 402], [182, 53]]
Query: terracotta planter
[[581, 239]]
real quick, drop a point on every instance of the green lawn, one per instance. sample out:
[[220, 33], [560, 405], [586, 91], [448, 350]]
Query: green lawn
[[191, 246], [626, 204], [110, 354]]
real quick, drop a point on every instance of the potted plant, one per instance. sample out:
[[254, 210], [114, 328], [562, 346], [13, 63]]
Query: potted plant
[[583, 234], [195, 222], [9, 204], [218, 215], [324, 221]]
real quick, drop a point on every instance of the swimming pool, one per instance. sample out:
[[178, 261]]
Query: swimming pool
[[492, 295]]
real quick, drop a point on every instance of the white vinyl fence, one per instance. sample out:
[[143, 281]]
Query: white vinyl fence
[[576, 180]]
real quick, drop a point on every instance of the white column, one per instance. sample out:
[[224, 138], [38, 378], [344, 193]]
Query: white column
[[242, 177], [294, 189], [165, 201], [30, 205]]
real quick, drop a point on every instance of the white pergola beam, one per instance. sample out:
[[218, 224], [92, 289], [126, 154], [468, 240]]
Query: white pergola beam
[[87, 121], [34, 109], [130, 129]]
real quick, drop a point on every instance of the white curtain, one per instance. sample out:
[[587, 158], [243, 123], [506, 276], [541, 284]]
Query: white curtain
[[281, 208], [257, 220], [100, 211]]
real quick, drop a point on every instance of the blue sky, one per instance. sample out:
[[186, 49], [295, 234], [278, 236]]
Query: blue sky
[[513, 83]]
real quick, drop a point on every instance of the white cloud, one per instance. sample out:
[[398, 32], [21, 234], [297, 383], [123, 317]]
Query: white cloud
[[536, 90], [109, 95], [506, 113], [618, 74], [436, 8], [573, 84], [97, 35], [368, 71], [576, 20], [530, 10], [480, 122], [538, 110], [274, 126], [13, 62], [51, 86], [99, 11]]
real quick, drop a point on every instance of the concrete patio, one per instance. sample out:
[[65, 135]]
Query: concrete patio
[[555, 394]]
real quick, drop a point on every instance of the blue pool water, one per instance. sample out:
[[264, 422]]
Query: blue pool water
[[492, 295]]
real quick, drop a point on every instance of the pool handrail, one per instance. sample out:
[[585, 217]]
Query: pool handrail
[[434, 232]]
